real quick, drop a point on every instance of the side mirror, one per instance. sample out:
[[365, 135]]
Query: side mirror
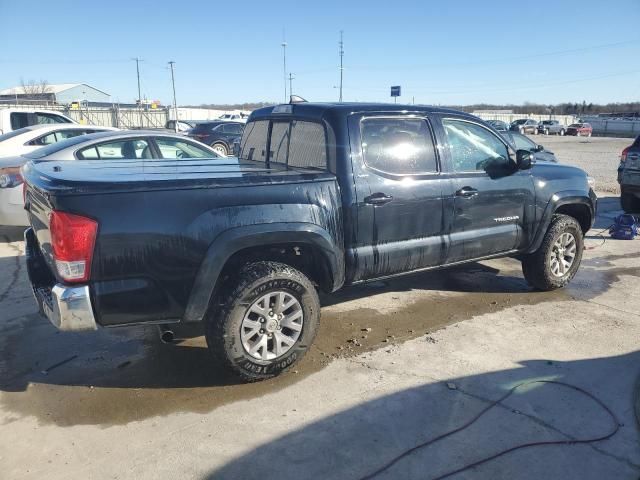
[[539, 148], [523, 159]]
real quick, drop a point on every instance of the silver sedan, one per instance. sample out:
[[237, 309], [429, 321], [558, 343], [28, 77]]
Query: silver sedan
[[112, 145]]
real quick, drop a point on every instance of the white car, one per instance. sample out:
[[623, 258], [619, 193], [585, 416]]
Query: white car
[[31, 138], [16, 118], [107, 144], [233, 117]]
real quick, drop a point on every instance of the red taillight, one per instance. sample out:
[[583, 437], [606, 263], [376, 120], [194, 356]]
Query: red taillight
[[623, 156], [72, 240]]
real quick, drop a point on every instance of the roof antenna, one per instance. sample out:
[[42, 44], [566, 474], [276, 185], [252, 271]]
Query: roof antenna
[[296, 99]]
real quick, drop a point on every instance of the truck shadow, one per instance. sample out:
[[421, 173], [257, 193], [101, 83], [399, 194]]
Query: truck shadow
[[357, 441]]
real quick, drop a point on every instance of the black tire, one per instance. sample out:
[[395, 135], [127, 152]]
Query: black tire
[[536, 266], [220, 148], [223, 322], [629, 203]]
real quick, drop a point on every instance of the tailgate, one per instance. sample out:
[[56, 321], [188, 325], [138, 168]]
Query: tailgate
[[38, 209]]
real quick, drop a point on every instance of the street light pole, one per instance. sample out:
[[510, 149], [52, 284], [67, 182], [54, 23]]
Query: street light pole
[[175, 104], [291, 77], [138, 60], [341, 68], [284, 68]]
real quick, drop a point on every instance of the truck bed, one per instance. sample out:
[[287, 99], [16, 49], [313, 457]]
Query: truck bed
[[103, 176], [158, 221]]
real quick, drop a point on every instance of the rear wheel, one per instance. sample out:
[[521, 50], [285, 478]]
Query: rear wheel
[[556, 262], [267, 322], [220, 149]]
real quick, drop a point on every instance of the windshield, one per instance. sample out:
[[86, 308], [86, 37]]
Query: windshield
[[15, 133], [55, 147], [575, 125], [520, 122]]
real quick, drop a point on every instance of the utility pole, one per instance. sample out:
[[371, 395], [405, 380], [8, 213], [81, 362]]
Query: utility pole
[[284, 68], [291, 78], [341, 68], [138, 60], [175, 104]]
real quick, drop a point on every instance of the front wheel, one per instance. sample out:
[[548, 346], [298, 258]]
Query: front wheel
[[556, 262], [266, 323]]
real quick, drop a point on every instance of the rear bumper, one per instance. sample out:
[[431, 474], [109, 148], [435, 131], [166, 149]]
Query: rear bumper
[[66, 307]]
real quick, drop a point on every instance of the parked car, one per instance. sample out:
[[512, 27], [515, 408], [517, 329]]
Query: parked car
[[233, 117], [522, 142], [122, 144], [524, 125], [318, 200], [220, 135], [580, 129], [551, 127], [183, 125], [16, 118], [499, 125], [28, 139], [629, 177]]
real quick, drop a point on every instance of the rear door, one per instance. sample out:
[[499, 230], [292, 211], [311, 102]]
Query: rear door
[[492, 199], [399, 195]]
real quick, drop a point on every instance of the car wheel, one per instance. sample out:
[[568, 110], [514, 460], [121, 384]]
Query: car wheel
[[546, 131], [556, 262], [220, 149], [266, 323], [562, 132], [629, 203]]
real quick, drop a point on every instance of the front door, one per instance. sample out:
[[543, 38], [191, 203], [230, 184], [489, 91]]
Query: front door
[[399, 195], [492, 198]]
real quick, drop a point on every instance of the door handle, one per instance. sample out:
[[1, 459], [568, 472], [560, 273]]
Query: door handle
[[378, 199], [467, 192]]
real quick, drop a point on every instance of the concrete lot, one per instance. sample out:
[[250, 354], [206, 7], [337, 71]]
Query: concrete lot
[[441, 347], [599, 156]]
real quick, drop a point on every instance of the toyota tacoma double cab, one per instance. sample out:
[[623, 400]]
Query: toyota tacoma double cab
[[322, 196]]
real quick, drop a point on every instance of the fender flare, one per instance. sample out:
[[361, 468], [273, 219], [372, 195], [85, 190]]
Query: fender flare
[[567, 197], [231, 241]]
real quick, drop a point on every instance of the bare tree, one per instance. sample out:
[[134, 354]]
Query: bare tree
[[33, 89]]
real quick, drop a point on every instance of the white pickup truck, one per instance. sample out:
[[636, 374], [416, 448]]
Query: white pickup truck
[[15, 118]]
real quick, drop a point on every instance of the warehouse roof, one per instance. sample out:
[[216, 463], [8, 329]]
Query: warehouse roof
[[51, 88]]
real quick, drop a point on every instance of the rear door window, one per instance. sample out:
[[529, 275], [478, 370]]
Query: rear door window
[[400, 146], [124, 149], [19, 120]]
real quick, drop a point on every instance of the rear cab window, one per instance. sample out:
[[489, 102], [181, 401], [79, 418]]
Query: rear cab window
[[288, 142]]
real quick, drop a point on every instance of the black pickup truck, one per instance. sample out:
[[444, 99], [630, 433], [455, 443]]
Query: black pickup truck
[[321, 197]]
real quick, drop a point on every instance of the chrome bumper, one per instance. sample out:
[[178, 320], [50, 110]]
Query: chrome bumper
[[67, 308]]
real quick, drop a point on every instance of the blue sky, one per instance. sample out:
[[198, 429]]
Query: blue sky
[[454, 53]]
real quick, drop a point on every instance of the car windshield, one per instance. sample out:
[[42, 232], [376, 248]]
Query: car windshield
[[520, 122], [15, 133], [204, 127], [55, 147], [575, 125]]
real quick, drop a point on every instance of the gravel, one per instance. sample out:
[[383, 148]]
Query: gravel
[[598, 156]]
